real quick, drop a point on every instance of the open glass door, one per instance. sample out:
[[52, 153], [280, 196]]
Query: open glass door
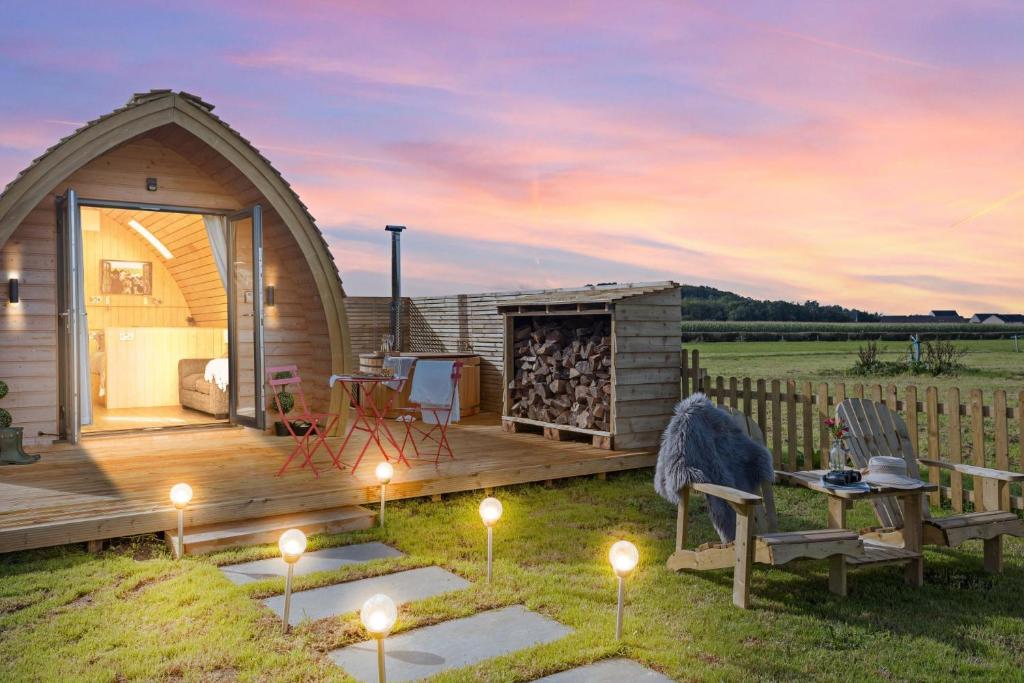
[[245, 317], [72, 324]]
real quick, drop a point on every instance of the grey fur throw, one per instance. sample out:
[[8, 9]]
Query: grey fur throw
[[702, 444]]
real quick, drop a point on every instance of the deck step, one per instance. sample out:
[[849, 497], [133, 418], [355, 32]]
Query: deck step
[[211, 537]]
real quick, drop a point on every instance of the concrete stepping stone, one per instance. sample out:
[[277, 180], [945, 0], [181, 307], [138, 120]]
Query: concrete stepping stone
[[342, 598], [451, 644], [608, 671], [318, 561]]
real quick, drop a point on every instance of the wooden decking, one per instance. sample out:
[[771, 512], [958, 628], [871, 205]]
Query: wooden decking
[[117, 486]]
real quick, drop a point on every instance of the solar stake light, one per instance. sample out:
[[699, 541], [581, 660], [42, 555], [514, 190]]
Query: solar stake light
[[378, 616], [490, 513], [624, 557], [181, 494], [292, 544], [384, 473]]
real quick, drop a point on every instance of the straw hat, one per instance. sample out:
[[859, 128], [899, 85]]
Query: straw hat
[[884, 470]]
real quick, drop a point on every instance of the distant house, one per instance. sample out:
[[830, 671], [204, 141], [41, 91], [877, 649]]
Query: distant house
[[979, 318], [931, 318], [1003, 319]]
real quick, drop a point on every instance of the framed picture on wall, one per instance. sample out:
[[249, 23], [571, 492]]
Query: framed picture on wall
[[126, 277]]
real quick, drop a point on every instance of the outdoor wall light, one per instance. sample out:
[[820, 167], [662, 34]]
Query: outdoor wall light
[[378, 616], [151, 184], [624, 557], [490, 513], [292, 544], [12, 291], [181, 495], [384, 473], [268, 297]]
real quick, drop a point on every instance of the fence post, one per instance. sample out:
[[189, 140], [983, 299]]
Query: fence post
[[748, 409], [1002, 442], [823, 414], [952, 410], [932, 412], [978, 436], [720, 390], [732, 393], [808, 426], [762, 408], [776, 425], [791, 434], [684, 375], [910, 416]]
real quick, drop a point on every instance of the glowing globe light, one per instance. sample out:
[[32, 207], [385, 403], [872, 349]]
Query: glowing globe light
[[292, 544], [384, 473], [624, 557], [490, 511], [379, 615], [181, 494]]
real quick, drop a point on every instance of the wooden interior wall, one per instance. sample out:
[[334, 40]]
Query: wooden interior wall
[[165, 307], [133, 380], [189, 173], [192, 264]]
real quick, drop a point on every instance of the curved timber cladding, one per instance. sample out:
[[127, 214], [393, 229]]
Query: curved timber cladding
[[199, 161]]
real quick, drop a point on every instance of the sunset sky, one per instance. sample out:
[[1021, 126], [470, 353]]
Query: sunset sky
[[869, 154]]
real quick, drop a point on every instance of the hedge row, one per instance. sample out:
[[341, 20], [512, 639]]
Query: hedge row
[[715, 330]]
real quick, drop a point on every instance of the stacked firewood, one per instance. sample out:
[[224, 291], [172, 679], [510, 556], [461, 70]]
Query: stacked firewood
[[562, 370]]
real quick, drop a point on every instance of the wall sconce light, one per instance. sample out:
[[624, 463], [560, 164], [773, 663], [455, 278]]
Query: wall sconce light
[[12, 290], [269, 296], [151, 184]]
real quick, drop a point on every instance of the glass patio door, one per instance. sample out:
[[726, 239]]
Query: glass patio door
[[72, 323], [245, 317]]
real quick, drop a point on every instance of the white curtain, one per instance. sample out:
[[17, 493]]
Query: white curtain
[[84, 394], [217, 233]]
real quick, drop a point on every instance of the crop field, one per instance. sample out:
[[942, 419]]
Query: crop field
[[991, 363], [731, 330]]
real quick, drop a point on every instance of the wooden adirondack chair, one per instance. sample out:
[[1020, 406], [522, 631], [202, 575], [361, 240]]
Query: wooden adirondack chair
[[876, 430], [767, 545]]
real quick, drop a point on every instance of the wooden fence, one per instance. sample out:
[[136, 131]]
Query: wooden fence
[[958, 427]]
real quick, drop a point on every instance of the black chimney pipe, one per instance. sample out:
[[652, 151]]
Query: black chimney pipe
[[396, 286]]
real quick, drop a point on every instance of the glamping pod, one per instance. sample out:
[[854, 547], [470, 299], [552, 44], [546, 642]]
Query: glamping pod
[[152, 264]]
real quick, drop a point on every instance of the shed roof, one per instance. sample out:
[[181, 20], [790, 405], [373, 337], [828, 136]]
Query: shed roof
[[595, 297]]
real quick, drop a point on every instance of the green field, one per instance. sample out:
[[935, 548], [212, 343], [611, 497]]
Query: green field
[[992, 364], [134, 614]]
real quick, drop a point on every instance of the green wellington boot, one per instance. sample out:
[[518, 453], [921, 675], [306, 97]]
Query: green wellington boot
[[11, 452]]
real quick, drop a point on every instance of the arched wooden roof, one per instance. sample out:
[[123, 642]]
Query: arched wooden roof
[[149, 111]]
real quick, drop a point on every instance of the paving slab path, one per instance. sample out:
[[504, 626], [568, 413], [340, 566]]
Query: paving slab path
[[317, 561], [608, 671], [342, 598], [432, 649]]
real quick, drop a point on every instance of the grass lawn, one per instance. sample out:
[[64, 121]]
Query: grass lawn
[[992, 364], [132, 613]]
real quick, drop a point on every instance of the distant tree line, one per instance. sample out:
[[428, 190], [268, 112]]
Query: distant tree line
[[708, 303]]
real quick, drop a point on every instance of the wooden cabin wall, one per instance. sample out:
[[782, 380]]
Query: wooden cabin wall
[[114, 241], [28, 342], [189, 173]]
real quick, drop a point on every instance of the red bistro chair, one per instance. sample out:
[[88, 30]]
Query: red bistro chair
[[309, 442], [438, 431]]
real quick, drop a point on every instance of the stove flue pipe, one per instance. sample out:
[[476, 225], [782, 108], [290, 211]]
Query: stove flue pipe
[[396, 285]]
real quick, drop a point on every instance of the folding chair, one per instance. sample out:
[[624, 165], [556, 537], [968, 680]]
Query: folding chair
[[309, 442], [436, 431]]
